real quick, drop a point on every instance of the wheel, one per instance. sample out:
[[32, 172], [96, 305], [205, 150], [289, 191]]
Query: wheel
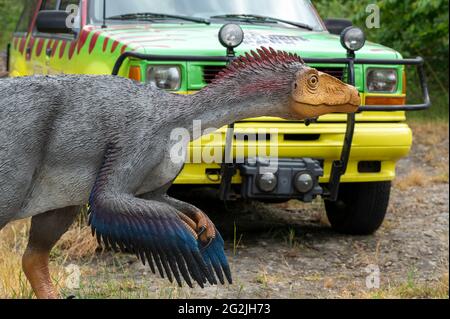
[[360, 208]]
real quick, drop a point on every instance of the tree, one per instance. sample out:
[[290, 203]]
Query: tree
[[9, 14], [412, 27]]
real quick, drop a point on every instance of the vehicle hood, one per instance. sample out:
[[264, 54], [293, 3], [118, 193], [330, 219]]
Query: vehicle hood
[[201, 40]]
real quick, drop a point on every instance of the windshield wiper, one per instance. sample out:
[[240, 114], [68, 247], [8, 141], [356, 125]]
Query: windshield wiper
[[151, 16], [260, 18]]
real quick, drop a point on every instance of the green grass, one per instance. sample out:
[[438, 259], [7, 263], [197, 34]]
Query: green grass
[[412, 288]]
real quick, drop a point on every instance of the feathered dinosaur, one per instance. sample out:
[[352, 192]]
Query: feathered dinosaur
[[69, 140]]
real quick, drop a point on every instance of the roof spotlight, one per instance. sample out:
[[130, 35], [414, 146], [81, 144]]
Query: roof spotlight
[[231, 36], [353, 38]]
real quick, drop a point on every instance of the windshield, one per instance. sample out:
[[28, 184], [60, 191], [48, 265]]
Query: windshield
[[301, 11]]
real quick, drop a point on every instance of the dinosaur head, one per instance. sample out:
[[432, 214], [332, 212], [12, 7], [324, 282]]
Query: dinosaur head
[[316, 93], [277, 83]]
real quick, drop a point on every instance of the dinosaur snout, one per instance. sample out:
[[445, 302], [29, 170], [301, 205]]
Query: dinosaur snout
[[355, 97], [318, 93]]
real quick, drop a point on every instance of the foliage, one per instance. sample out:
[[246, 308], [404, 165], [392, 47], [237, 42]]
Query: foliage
[[412, 27], [9, 14]]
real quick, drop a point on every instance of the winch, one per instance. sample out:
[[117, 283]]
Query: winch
[[285, 178]]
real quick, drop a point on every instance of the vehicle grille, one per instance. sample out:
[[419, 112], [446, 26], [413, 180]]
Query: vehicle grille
[[336, 72], [210, 72]]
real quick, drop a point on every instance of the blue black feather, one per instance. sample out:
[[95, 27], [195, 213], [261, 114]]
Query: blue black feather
[[214, 256]]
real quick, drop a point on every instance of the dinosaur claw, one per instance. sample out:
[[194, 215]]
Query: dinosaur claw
[[201, 231]]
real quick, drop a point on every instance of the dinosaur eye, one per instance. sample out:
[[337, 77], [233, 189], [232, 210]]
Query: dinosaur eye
[[313, 81]]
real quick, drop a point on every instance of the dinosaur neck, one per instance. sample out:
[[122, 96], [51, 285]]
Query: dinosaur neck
[[234, 99]]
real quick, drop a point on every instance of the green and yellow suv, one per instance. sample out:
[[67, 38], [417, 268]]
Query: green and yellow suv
[[174, 45]]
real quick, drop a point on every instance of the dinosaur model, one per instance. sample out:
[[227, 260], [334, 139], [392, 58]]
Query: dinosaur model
[[70, 140]]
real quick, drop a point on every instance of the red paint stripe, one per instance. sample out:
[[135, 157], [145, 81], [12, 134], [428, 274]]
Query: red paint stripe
[[39, 47], [114, 46], [93, 41], [105, 44], [23, 41], [54, 47], [31, 42], [124, 47], [82, 40], [62, 48], [72, 47]]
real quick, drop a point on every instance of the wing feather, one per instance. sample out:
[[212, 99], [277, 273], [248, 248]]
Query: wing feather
[[155, 233]]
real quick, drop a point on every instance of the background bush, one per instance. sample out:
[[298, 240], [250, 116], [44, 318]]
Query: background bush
[[413, 27], [9, 14]]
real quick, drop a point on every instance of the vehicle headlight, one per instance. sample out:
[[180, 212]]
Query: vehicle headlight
[[231, 35], [382, 80], [353, 38], [164, 76]]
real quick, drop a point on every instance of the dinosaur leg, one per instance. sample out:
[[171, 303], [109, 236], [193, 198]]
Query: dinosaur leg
[[46, 230]]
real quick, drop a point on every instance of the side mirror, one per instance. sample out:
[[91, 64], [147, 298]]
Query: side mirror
[[336, 26], [52, 21]]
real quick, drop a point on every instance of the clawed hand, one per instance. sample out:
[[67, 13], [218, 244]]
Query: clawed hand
[[200, 224]]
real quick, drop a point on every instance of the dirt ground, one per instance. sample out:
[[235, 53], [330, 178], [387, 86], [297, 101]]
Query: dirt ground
[[285, 250], [290, 252]]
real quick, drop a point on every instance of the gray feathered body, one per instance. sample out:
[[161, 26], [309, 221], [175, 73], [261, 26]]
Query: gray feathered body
[[54, 132]]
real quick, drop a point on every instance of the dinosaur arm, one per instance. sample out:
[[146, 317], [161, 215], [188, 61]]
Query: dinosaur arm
[[197, 219], [153, 231]]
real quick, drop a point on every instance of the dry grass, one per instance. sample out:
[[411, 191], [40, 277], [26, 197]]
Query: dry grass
[[434, 137], [431, 140], [12, 243], [433, 151], [416, 178], [76, 244], [430, 133]]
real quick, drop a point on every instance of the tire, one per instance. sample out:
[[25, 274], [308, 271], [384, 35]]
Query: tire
[[360, 208]]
